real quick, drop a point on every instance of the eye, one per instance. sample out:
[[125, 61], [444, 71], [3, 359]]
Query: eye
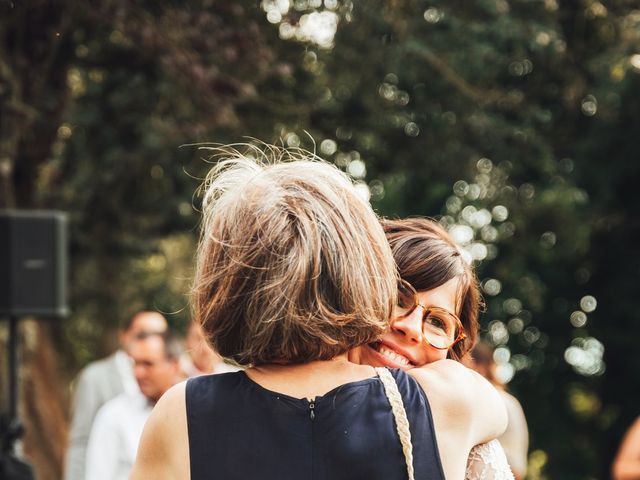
[[435, 321]]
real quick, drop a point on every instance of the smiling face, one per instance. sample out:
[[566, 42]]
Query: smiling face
[[403, 346]]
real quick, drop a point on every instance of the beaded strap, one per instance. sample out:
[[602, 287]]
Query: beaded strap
[[399, 415]]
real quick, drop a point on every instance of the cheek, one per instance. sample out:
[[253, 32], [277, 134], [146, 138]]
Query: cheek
[[433, 354]]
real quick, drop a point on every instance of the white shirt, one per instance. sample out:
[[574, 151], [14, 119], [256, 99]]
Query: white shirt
[[124, 365], [115, 435]]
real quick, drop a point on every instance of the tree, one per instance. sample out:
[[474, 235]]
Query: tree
[[95, 100], [496, 116], [507, 120]]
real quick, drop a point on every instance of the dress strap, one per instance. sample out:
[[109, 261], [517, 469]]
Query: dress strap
[[399, 415]]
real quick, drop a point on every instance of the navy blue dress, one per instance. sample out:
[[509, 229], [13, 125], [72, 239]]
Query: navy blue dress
[[240, 430]]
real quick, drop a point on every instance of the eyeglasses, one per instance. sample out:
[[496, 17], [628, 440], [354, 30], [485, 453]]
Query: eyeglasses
[[441, 328]]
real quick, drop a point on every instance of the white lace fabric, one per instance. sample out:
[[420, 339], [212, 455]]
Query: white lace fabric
[[488, 462]]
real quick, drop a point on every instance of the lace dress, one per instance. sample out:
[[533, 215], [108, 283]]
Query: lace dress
[[488, 462]]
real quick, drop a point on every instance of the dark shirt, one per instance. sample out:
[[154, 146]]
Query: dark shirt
[[240, 430]]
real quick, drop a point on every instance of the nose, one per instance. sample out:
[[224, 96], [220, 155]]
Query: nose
[[409, 326]]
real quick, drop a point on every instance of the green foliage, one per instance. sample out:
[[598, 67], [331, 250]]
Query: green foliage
[[511, 121]]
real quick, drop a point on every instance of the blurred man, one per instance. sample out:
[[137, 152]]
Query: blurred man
[[101, 381], [118, 425]]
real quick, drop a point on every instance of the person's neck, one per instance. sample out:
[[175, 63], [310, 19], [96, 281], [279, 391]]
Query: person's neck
[[339, 361], [308, 380]]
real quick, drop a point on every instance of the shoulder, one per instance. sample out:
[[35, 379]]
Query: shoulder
[[447, 378], [463, 399], [170, 409], [164, 446], [95, 370], [448, 385], [452, 379]]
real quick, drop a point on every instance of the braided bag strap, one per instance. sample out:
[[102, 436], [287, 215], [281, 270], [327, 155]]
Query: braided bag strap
[[399, 415]]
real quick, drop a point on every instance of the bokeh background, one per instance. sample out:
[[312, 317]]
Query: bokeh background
[[515, 122]]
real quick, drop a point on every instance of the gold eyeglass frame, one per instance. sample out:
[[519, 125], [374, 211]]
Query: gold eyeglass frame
[[426, 310]]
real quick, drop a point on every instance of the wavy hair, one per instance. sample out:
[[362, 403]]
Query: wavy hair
[[292, 265]]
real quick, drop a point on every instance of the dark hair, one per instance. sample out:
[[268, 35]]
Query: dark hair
[[427, 258]]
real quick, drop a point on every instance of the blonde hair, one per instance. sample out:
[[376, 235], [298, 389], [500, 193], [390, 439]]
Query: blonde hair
[[292, 265]]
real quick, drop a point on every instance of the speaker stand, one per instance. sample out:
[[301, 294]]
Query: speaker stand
[[11, 467], [10, 426]]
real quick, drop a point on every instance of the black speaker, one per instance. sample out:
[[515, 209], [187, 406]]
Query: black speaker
[[33, 263]]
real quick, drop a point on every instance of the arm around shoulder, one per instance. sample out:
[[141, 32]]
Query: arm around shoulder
[[164, 447], [463, 399]]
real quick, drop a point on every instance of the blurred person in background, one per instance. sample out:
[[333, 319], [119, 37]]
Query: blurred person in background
[[99, 382], [515, 439], [626, 465], [116, 431], [199, 358]]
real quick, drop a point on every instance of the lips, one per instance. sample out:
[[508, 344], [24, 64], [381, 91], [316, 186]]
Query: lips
[[391, 357]]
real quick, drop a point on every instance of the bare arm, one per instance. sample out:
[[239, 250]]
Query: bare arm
[[626, 466], [163, 453], [467, 411]]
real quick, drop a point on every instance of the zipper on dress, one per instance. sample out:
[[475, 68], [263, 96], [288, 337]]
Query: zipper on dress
[[312, 406]]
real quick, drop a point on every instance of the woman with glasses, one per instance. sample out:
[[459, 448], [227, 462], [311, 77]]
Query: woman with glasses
[[436, 318]]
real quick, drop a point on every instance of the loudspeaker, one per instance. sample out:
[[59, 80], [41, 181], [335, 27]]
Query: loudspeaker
[[33, 263]]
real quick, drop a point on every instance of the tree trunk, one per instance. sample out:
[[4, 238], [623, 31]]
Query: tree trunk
[[44, 404]]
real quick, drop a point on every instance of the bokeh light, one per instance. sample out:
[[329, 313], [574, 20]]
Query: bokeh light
[[588, 303], [585, 356]]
